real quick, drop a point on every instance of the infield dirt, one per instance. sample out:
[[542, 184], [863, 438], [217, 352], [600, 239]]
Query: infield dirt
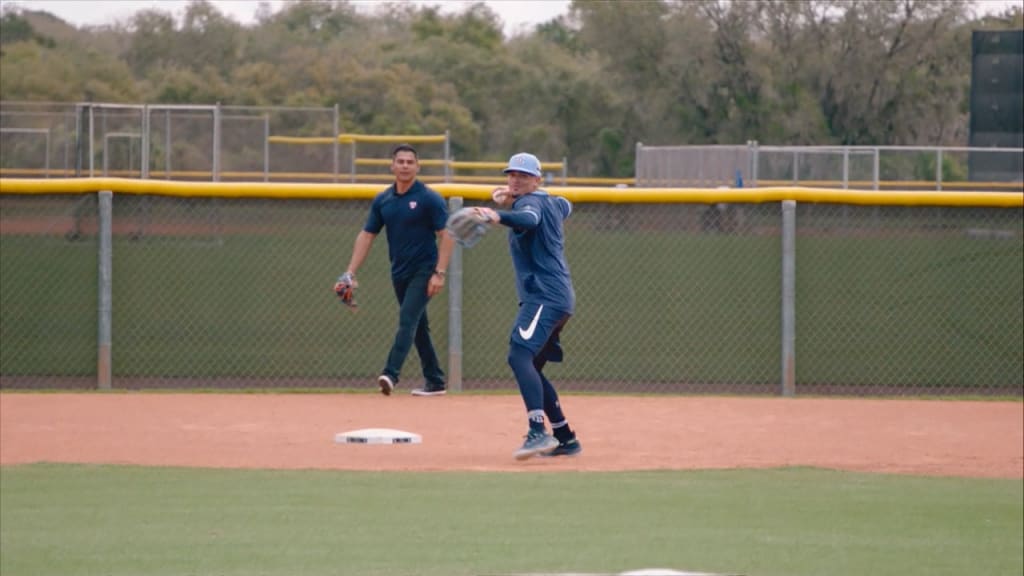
[[480, 432]]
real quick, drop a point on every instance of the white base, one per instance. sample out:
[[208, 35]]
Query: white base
[[377, 436]]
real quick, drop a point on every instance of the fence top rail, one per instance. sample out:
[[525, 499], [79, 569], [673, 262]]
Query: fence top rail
[[280, 108], [488, 165], [112, 105], [483, 192], [832, 148], [393, 138], [351, 138], [38, 103], [695, 146], [50, 114], [26, 130], [887, 148]]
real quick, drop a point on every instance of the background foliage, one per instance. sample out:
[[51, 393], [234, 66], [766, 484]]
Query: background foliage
[[593, 82]]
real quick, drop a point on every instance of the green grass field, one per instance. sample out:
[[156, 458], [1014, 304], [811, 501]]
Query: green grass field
[[130, 521]]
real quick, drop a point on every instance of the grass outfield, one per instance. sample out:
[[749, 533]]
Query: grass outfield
[[92, 520], [250, 309]]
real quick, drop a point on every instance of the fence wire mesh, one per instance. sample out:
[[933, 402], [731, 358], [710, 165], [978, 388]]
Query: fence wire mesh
[[672, 298]]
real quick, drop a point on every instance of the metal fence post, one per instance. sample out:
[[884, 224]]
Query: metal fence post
[[103, 368], [637, 154], [447, 156], [79, 139], [754, 160], [875, 169], [846, 167], [216, 143], [352, 163], [455, 310], [144, 144], [167, 144], [788, 297], [266, 151], [92, 136], [336, 145]]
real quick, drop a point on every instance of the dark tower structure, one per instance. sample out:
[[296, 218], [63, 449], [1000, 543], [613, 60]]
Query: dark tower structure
[[997, 105]]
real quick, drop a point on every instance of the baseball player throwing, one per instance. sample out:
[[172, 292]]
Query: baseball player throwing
[[546, 299]]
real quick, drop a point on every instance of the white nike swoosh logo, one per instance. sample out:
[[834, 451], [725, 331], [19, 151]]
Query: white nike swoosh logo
[[528, 333]]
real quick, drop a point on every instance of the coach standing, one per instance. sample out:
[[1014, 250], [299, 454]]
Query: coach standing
[[546, 299], [419, 249]]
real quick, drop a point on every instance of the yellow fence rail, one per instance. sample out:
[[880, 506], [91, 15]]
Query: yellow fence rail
[[479, 192]]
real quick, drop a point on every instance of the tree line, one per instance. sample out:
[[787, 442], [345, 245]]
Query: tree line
[[586, 86]]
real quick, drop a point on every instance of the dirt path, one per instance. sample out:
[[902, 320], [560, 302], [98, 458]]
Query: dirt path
[[470, 432]]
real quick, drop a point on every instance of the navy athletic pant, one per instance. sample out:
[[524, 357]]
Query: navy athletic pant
[[414, 328]]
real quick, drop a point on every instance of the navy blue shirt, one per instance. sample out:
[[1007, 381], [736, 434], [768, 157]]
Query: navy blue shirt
[[537, 245], [412, 221]]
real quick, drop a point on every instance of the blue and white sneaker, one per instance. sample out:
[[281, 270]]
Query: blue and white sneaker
[[536, 443], [570, 448]]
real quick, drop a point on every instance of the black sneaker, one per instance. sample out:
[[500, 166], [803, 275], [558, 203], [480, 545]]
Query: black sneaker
[[430, 390], [570, 448]]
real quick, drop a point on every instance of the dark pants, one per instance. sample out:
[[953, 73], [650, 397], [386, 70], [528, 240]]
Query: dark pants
[[414, 327], [528, 366]]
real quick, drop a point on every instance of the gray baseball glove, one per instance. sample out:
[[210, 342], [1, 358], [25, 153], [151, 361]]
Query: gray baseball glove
[[467, 227]]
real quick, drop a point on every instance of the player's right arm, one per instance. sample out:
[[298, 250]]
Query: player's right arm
[[524, 216], [366, 236], [364, 240]]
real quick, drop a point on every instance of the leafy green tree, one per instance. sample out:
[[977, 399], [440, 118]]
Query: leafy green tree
[[174, 85], [14, 28], [151, 41], [587, 85]]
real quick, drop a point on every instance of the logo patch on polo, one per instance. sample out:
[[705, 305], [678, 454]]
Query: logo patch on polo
[[412, 204]]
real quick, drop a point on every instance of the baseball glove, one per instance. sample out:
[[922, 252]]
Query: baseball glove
[[467, 227], [346, 290]]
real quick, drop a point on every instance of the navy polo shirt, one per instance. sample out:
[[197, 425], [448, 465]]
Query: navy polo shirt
[[412, 221]]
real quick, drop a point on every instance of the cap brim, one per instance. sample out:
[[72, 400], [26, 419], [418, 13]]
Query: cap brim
[[527, 172]]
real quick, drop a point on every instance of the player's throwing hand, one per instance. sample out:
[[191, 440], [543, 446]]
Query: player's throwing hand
[[503, 197]]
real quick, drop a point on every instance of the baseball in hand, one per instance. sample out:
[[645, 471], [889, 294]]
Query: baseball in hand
[[501, 196]]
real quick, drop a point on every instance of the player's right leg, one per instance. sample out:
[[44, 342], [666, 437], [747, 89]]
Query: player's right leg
[[538, 441]]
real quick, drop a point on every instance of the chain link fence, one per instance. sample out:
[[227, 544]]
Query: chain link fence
[[198, 143], [302, 144], [672, 298], [846, 167]]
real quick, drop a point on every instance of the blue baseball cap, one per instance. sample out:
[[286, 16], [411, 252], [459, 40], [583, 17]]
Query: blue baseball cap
[[525, 163]]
